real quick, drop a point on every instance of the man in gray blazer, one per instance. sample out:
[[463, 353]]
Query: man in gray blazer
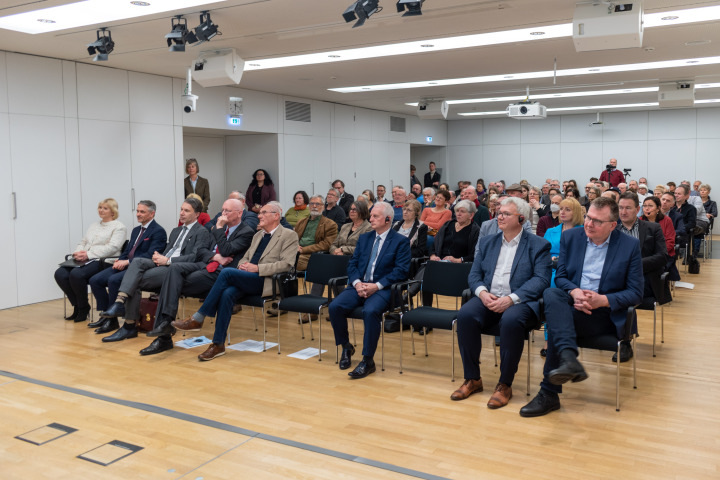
[[148, 274], [510, 272]]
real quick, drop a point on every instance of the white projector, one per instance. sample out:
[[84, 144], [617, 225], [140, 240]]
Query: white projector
[[218, 67], [605, 25], [676, 94], [531, 111], [432, 110]]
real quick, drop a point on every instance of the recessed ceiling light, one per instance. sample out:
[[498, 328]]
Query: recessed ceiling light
[[630, 67], [537, 33], [254, 64], [92, 12], [669, 18], [427, 45], [432, 83], [696, 43], [45, 20], [594, 70], [333, 56]]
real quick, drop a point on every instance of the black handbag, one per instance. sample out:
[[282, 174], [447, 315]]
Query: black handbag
[[287, 284], [693, 266]]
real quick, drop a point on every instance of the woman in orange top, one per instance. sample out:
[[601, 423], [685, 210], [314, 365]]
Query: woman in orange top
[[438, 215]]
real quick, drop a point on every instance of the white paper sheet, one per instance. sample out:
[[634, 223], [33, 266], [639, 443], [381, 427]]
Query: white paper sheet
[[251, 346], [306, 353], [193, 342]]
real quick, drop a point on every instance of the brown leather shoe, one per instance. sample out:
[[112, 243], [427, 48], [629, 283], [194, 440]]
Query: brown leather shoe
[[501, 396], [213, 351], [187, 325], [466, 389]]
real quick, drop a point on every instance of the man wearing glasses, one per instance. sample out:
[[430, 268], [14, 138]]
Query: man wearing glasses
[[316, 232], [591, 297], [509, 274], [272, 250], [332, 210]]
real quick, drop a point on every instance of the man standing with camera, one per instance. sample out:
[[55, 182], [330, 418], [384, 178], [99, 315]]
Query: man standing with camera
[[612, 175]]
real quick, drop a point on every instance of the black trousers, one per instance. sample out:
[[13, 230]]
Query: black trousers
[[74, 282], [189, 279]]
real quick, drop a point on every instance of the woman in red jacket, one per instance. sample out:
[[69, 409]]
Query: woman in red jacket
[[652, 213]]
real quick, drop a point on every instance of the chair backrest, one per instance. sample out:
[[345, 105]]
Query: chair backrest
[[322, 267], [446, 278]]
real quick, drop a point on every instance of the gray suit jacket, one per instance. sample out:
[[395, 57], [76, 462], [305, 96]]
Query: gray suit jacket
[[197, 238]]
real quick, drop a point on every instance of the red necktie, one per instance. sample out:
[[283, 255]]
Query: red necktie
[[137, 243], [213, 266]]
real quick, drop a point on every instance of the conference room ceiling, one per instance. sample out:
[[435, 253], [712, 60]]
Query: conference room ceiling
[[262, 29]]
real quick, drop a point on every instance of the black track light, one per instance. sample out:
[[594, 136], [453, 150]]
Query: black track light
[[101, 47], [361, 10], [413, 7]]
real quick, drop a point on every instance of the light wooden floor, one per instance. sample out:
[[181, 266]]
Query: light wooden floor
[[270, 416]]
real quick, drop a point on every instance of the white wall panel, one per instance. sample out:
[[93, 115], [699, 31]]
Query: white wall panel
[[321, 119], [420, 130], [210, 155], [105, 168], [577, 129], [707, 155], [399, 164], [708, 123], [540, 131], [39, 192], [670, 160], [536, 160], [633, 155], [381, 125], [3, 83], [150, 99], [152, 150], [344, 161], [35, 85], [379, 162], [102, 93], [464, 162], [363, 123], [466, 132], [8, 280], [501, 162], [579, 161], [70, 100], [501, 131], [672, 124], [74, 176], [343, 122], [625, 126], [305, 158]]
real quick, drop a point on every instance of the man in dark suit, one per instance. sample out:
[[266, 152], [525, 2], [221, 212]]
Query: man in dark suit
[[346, 200], [381, 258], [599, 275], [148, 274], [248, 217], [273, 250], [652, 248], [432, 178], [509, 274], [231, 238], [145, 239]]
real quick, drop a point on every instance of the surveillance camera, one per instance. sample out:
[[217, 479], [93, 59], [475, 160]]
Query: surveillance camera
[[189, 103]]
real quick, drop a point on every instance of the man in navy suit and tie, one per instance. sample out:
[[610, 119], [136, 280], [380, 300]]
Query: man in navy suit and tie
[[381, 258], [599, 276], [145, 239], [511, 270]]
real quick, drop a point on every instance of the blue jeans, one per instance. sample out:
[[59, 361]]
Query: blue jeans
[[231, 285]]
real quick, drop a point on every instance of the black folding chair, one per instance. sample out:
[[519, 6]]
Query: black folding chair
[[660, 299]]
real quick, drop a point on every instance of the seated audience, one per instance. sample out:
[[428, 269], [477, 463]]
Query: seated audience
[[509, 274], [345, 199], [248, 217], [570, 216], [538, 209], [590, 298], [482, 214], [659, 190], [438, 215], [315, 233], [428, 195], [203, 218], [455, 241], [370, 199], [332, 210], [380, 194], [102, 239], [413, 229], [652, 213], [346, 240], [299, 210], [260, 191], [272, 250], [711, 210], [399, 197], [552, 218]]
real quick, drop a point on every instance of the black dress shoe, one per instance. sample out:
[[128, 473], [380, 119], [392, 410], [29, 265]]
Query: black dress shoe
[[162, 329], [109, 325], [97, 323], [425, 330], [73, 315], [570, 370], [626, 353], [160, 344], [346, 357], [82, 314], [128, 330], [543, 403], [117, 309], [362, 370]]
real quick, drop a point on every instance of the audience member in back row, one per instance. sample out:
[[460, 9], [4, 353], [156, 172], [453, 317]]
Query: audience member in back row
[[570, 216], [332, 210], [436, 216], [260, 191], [509, 274], [346, 240], [711, 210], [299, 210], [652, 213], [102, 239], [316, 233], [194, 183], [455, 241], [687, 211], [538, 209], [482, 214], [345, 199], [432, 178], [248, 217], [591, 298], [413, 229], [399, 197], [203, 218], [550, 220], [146, 238]]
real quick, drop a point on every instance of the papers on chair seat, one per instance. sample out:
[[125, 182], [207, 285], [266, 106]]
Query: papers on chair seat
[[193, 342], [685, 285], [306, 353], [251, 346]]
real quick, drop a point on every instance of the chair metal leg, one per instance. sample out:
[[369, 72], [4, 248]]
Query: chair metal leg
[[352, 322], [452, 352], [278, 320], [662, 324], [320, 319], [412, 339], [64, 305], [425, 334], [302, 330], [634, 364], [495, 351], [654, 325], [382, 343], [527, 392], [617, 379], [401, 342], [264, 328]]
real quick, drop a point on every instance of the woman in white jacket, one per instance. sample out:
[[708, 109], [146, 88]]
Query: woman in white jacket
[[103, 239]]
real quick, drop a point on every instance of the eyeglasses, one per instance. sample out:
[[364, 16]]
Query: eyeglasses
[[267, 212], [596, 222], [316, 204], [353, 209], [507, 214]]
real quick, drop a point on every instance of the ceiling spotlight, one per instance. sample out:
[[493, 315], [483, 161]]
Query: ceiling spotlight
[[207, 29], [103, 46], [413, 7], [179, 35], [361, 10]]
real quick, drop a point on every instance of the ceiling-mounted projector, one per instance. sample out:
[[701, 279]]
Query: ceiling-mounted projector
[[607, 25], [433, 110], [527, 110]]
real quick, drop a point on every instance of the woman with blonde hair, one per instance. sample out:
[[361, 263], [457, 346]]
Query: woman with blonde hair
[[194, 183], [570, 216], [102, 239]]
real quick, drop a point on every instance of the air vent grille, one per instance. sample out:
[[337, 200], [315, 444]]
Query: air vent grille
[[297, 112], [397, 124]]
